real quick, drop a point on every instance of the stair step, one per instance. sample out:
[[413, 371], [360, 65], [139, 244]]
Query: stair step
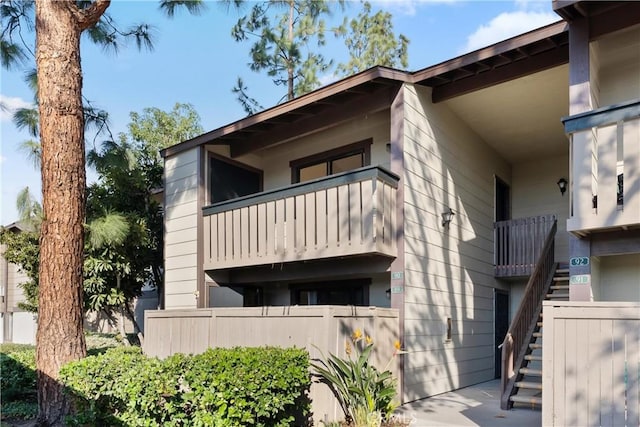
[[561, 278], [539, 324], [532, 372], [537, 334], [534, 400], [529, 384], [558, 295], [562, 270], [531, 357], [535, 346], [559, 287]]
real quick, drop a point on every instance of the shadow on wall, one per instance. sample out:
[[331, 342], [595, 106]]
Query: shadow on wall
[[449, 270]]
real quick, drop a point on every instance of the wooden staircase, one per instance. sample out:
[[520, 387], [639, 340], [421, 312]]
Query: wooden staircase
[[528, 382]]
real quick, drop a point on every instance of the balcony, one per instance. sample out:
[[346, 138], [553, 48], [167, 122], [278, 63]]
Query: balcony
[[605, 168], [519, 243], [347, 214]]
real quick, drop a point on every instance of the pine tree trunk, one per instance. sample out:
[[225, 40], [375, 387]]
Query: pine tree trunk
[[60, 336]]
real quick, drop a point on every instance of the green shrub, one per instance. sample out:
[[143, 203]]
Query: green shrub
[[21, 410], [221, 387], [18, 367]]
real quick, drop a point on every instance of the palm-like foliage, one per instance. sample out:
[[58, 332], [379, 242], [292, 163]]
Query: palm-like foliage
[[365, 394]]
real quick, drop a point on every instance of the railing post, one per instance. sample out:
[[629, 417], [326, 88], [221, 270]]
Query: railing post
[[507, 367]]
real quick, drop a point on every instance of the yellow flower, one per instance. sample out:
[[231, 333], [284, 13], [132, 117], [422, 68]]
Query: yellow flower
[[347, 347], [397, 345], [369, 340], [356, 335]]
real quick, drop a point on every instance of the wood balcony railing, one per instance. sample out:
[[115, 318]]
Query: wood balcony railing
[[519, 243], [605, 174], [516, 342], [351, 213]]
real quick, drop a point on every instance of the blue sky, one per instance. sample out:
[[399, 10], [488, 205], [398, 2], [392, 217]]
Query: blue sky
[[196, 61]]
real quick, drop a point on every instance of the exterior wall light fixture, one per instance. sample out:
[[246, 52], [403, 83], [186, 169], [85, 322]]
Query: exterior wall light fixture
[[447, 216], [562, 185]]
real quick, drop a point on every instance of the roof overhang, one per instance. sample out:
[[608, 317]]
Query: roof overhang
[[327, 98], [528, 53], [604, 16], [373, 89]]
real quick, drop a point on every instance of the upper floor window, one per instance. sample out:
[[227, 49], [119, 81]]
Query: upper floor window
[[342, 159]]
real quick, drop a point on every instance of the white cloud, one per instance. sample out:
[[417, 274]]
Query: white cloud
[[9, 105], [406, 7], [505, 25]]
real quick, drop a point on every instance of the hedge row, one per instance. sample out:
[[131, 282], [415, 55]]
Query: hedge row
[[221, 387], [18, 367]]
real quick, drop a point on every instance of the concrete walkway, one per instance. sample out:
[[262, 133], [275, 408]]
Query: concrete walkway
[[477, 405]]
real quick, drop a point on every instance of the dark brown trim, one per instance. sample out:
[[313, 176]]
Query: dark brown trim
[[524, 67], [220, 157], [361, 174], [329, 117], [621, 15], [344, 85], [622, 242], [495, 50], [346, 98], [202, 294], [363, 147]]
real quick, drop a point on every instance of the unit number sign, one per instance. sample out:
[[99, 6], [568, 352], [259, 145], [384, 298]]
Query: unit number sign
[[580, 260]]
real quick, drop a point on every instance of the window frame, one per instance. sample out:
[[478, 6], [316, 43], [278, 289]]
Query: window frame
[[361, 147]]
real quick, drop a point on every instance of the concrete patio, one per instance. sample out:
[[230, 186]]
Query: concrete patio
[[477, 405]]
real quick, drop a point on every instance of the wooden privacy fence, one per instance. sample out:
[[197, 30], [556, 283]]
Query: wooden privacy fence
[[352, 213], [319, 329], [591, 364], [518, 244]]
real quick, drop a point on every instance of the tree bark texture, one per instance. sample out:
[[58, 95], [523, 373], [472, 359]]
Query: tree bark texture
[[60, 336]]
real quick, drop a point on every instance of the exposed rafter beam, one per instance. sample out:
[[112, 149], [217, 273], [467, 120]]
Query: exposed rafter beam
[[357, 106], [521, 68]]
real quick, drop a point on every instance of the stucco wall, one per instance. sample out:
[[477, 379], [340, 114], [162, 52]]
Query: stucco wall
[[448, 272]]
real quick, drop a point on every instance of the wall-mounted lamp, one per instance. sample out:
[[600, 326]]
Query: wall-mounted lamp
[[388, 293], [562, 185], [447, 216]]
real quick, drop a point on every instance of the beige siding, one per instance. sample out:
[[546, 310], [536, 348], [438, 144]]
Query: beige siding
[[619, 63], [180, 240], [277, 172], [535, 192], [448, 272], [15, 294], [619, 278]]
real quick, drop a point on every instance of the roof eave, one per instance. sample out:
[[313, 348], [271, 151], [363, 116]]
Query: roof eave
[[302, 101]]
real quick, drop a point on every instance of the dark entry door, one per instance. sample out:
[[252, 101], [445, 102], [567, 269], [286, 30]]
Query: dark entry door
[[501, 325]]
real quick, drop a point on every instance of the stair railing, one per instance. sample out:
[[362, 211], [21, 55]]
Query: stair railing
[[516, 341]]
